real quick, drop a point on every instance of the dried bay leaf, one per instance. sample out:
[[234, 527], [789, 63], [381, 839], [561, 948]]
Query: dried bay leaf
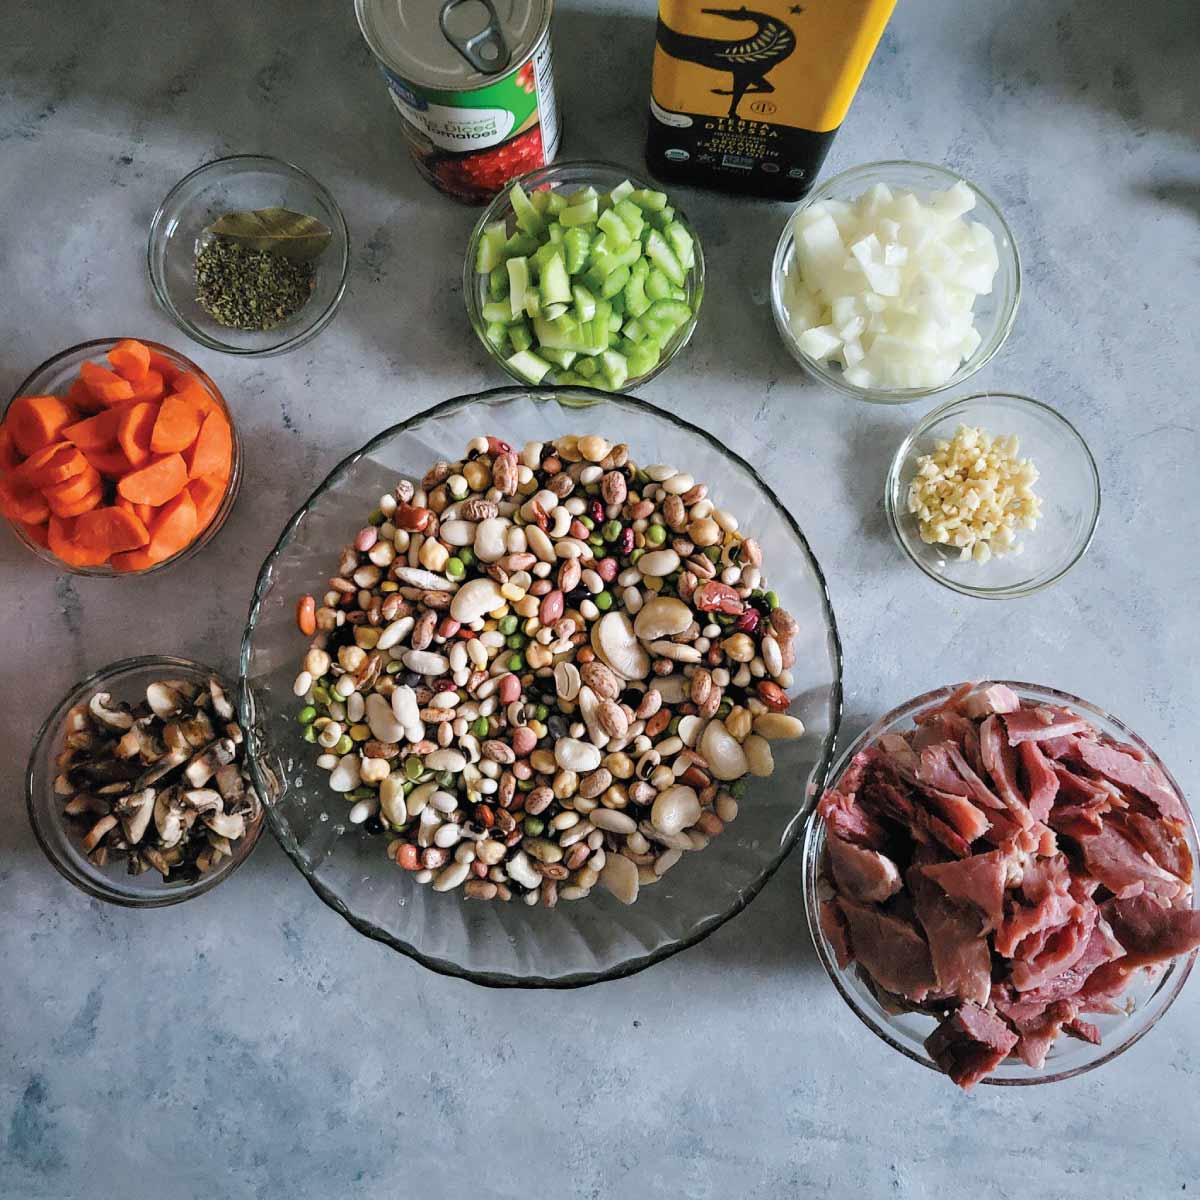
[[278, 230]]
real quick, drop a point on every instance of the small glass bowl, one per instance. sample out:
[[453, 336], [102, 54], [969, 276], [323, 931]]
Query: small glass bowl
[[242, 182], [127, 681], [994, 314], [55, 375], [907, 1031], [570, 176], [1069, 490]]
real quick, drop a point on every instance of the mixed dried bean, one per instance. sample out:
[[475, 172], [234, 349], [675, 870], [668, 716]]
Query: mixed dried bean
[[544, 669]]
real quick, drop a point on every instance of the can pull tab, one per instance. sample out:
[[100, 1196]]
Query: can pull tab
[[486, 50]]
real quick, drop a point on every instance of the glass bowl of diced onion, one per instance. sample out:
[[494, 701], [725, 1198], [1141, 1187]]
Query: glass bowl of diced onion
[[904, 272], [641, 346], [995, 561]]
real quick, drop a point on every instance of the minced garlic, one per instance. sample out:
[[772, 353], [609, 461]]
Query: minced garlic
[[974, 493]]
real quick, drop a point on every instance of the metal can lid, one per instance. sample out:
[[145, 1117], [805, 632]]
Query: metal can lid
[[443, 44]]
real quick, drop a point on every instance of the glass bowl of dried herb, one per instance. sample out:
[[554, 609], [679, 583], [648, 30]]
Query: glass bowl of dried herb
[[249, 255]]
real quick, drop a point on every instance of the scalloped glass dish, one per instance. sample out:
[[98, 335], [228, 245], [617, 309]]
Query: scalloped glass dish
[[507, 945], [907, 1031]]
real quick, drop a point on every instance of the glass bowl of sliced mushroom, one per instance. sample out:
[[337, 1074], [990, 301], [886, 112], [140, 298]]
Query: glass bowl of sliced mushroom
[[137, 787], [555, 711]]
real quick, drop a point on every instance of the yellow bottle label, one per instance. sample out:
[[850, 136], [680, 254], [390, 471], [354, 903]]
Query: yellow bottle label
[[778, 63]]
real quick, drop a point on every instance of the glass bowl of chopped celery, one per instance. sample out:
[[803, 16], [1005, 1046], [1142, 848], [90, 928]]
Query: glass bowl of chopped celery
[[582, 274], [994, 495], [274, 280], [895, 280]]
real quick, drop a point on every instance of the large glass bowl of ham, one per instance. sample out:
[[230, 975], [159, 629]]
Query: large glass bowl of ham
[[895, 280], [999, 883]]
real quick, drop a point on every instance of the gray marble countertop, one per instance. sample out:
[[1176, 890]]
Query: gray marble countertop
[[251, 1044]]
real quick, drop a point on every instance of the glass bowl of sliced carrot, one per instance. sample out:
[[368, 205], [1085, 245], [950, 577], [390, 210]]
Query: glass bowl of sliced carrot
[[117, 457]]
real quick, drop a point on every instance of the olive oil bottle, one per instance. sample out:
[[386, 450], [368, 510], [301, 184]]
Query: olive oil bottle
[[749, 99]]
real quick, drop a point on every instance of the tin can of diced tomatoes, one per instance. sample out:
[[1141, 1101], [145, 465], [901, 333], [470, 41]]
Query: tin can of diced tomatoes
[[474, 83]]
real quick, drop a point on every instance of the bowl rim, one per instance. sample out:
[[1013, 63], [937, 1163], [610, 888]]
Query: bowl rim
[[1012, 591], [228, 500], [124, 666], [582, 398], [500, 206], [836, 379], [197, 334], [814, 840]]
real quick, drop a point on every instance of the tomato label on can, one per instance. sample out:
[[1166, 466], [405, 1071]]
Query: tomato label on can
[[470, 143]]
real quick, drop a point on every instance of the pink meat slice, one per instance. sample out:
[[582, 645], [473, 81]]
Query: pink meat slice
[[1078, 789], [935, 770], [1037, 724], [1152, 932], [1045, 903], [1000, 761], [996, 698], [1037, 1026], [1085, 1031], [1042, 782], [1104, 986], [1123, 866], [848, 820], [970, 1044], [977, 880], [952, 703], [861, 873], [1164, 840], [1102, 947], [890, 949], [1062, 949], [959, 813], [962, 962], [976, 788], [1124, 769], [833, 926]]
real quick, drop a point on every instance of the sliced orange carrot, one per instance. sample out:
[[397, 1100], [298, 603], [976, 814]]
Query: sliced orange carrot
[[189, 385], [60, 538], [112, 462], [179, 421], [135, 430], [173, 527], [79, 396], [74, 488], [207, 491], [151, 388], [105, 385], [9, 457], [81, 504], [95, 433], [160, 480], [110, 529], [52, 464], [36, 421], [38, 533], [130, 359], [164, 366], [19, 502], [143, 512], [213, 452]]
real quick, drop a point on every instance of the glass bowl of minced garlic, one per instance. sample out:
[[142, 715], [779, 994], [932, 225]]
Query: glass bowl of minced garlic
[[994, 495]]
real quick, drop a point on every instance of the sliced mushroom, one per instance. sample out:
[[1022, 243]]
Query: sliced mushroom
[[220, 702], [96, 834], [228, 825], [198, 729], [204, 765], [156, 859], [233, 731], [136, 811], [84, 804], [229, 781], [164, 766], [175, 738], [78, 719], [204, 800], [63, 786], [138, 864], [115, 716], [168, 817], [165, 700], [121, 788]]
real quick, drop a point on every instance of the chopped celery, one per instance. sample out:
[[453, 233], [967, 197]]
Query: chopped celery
[[529, 366], [560, 358], [519, 336], [555, 283], [565, 378], [583, 213], [663, 257], [585, 302], [621, 191], [589, 288], [518, 284], [615, 282], [491, 248], [529, 220]]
